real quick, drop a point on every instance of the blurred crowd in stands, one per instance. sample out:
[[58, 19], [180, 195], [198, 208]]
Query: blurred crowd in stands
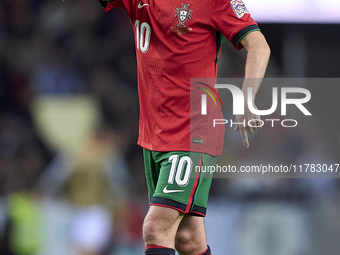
[[87, 196]]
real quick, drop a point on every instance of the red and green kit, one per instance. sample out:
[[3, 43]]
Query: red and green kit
[[176, 41]]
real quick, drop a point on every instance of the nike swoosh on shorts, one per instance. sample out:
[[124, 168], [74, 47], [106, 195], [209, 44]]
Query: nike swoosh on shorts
[[166, 190]]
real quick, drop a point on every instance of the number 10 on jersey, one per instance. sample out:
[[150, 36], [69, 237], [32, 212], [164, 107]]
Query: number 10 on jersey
[[143, 35]]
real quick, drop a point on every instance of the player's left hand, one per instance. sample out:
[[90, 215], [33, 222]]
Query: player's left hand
[[252, 122]]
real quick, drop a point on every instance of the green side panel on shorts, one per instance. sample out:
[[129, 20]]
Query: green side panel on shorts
[[151, 173], [203, 189]]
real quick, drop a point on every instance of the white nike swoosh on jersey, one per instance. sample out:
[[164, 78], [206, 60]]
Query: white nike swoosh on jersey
[[140, 5], [165, 190]]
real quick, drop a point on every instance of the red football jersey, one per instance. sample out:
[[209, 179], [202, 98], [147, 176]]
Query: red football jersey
[[176, 41]]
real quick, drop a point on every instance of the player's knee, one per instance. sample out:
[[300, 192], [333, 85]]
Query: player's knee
[[184, 242], [149, 231], [154, 230]]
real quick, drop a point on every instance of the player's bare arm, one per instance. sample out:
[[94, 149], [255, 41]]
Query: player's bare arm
[[258, 53]]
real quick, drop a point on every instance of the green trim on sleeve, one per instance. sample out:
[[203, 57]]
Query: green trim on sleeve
[[103, 3], [238, 42]]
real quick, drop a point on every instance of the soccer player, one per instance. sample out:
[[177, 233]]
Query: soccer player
[[175, 41]]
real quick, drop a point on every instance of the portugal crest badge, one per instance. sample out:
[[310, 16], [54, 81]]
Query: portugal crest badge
[[183, 14]]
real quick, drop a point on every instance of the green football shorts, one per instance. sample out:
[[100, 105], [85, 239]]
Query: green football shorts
[[174, 180]]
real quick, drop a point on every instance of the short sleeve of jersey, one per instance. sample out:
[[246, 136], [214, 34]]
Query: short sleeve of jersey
[[233, 20], [110, 4]]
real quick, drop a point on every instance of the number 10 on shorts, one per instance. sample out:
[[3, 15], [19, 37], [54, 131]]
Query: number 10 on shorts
[[180, 170]]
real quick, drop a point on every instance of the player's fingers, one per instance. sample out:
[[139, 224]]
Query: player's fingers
[[253, 125], [259, 122], [249, 129], [244, 137]]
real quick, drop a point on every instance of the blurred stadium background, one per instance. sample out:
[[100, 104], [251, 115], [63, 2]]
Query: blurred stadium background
[[71, 174]]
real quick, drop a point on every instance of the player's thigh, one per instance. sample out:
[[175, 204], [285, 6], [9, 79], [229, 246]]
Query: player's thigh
[[191, 234], [163, 218], [192, 227]]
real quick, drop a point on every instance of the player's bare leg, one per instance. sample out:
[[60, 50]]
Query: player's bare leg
[[191, 238], [160, 226]]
